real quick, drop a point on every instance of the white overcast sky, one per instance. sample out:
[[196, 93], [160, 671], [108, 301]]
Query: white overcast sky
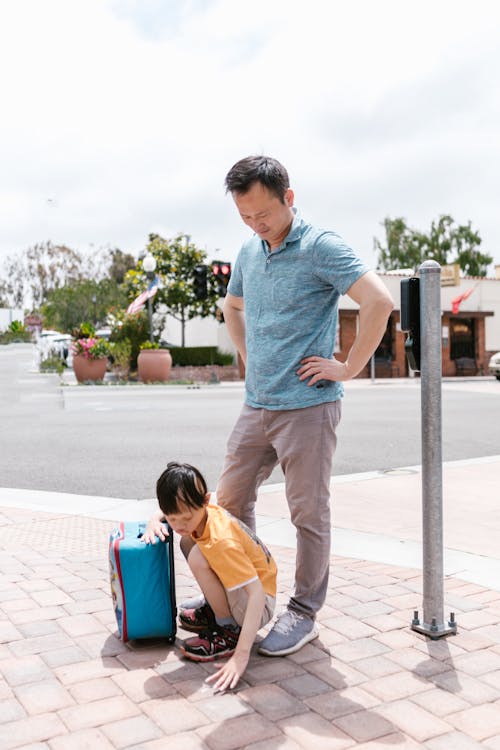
[[122, 117]]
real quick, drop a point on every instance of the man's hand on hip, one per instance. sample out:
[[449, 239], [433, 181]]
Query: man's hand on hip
[[320, 368]]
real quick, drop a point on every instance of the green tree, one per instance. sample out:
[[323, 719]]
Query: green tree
[[68, 306], [119, 264], [445, 243], [28, 278], [175, 263], [31, 275], [402, 248], [4, 302]]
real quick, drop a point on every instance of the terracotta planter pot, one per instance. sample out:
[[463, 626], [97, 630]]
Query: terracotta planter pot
[[89, 369], [154, 365]]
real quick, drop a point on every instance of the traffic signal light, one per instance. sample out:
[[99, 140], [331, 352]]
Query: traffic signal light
[[200, 282], [410, 319], [222, 273]]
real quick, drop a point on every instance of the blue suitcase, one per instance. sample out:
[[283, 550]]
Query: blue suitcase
[[142, 583]]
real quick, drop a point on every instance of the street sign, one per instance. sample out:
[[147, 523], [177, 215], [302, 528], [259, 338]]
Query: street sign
[[450, 275]]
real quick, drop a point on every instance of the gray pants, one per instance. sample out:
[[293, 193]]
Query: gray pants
[[303, 442]]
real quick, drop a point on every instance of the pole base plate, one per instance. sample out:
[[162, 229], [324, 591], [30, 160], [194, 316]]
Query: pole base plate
[[434, 630]]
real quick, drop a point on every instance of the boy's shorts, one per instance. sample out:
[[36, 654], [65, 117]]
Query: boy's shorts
[[238, 599]]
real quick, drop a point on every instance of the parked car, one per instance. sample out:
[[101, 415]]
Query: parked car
[[494, 365], [56, 343], [103, 333]]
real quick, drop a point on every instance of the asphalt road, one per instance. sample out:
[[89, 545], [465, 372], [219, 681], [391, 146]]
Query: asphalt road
[[115, 441]]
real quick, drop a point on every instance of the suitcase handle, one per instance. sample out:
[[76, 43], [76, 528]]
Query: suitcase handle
[[142, 529]]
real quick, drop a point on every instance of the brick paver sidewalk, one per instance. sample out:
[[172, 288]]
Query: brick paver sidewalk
[[67, 682]]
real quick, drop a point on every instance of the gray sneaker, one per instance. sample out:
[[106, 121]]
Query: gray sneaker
[[289, 633]]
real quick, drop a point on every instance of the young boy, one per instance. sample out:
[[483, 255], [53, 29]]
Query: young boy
[[234, 570]]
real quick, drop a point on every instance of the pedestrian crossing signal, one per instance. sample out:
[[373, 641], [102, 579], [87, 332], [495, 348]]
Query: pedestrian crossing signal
[[410, 319], [200, 282], [222, 273]]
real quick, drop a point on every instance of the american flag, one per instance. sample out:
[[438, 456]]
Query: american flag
[[141, 300]]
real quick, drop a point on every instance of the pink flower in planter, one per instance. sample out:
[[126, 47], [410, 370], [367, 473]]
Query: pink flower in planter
[[91, 348]]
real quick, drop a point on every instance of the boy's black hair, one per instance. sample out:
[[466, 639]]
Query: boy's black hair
[[264, 169], [180, 483]]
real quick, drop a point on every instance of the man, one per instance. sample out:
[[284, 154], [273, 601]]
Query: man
[[281, 313]]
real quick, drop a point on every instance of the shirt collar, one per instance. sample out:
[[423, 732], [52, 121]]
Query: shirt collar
[[294, 234], [295, 230]]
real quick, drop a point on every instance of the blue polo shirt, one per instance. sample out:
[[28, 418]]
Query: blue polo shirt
[[291, 299]]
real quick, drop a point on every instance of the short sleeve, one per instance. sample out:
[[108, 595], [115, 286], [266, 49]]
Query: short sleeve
[[335, 263], [235, 286], [231, 564]]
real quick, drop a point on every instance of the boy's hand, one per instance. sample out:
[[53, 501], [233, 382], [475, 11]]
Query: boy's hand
[[228, 675], [155, 529]]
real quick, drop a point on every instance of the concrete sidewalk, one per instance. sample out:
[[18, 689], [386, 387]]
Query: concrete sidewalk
[[368, 681]]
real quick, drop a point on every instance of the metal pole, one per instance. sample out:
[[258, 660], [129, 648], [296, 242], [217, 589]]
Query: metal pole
[[432, 477], [372, 368], [150, 315]]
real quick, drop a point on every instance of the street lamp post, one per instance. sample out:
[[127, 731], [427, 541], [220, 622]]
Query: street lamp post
[[149, 265]]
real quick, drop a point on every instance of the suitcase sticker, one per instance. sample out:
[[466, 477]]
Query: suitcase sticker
[[142, 583]]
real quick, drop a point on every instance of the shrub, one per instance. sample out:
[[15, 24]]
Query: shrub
[[15, 333], [120, 357], [131, 328], [199, 355], [84, 331], [149, 345], [52, 363]]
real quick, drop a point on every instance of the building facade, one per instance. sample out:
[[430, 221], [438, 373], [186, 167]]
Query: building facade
[[470, 326], [470, 334]]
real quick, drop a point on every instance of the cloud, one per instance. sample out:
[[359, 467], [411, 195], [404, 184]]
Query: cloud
[[122, 117]]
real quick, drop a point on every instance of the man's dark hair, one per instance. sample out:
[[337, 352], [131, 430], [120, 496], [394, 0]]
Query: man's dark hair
[[180, 483], [264, 169]]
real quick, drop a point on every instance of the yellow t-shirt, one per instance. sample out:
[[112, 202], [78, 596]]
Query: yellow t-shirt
[[235, 553]]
